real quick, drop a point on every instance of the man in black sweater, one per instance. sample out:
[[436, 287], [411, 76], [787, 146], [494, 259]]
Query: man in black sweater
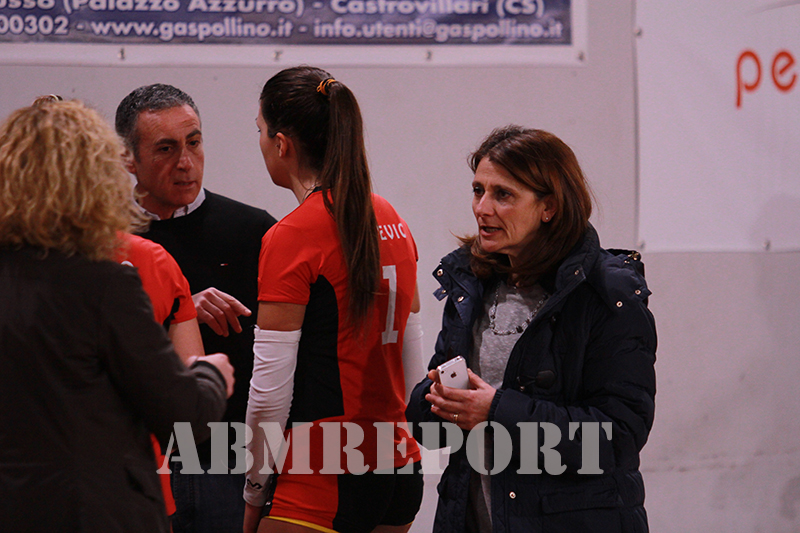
[[216, 242]]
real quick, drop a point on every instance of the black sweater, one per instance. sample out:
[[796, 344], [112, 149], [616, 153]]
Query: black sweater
[[217, 245]]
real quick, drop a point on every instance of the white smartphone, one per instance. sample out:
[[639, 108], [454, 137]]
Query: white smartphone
[[453, 373]]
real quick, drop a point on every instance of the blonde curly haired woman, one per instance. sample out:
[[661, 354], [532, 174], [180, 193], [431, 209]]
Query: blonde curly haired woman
[[86, 374]]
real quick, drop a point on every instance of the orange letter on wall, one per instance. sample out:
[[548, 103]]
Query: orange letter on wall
[[780, 65], [741, 84]]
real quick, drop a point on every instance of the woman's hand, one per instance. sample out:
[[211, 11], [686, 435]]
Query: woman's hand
[[252, 517], [222, 363], [465, 408]]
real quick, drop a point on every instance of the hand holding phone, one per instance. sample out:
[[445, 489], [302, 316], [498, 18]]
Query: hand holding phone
[[453, 373]]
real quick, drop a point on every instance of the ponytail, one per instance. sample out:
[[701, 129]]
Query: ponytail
[[324, 119], [346, 175]]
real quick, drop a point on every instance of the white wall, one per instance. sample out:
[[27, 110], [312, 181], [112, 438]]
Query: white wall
[[421, 125], [723, 455]]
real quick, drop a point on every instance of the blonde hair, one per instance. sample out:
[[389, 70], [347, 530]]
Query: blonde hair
[[63, 185]]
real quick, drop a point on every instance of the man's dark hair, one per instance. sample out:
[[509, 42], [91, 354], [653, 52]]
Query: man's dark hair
[[147, 98]]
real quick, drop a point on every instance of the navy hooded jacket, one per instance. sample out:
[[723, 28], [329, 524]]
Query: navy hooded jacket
[[588, 356]]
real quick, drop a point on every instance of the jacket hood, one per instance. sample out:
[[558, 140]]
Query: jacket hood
[[613, 274]]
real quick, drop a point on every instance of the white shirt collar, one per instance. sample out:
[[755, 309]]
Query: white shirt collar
[[181, 211]]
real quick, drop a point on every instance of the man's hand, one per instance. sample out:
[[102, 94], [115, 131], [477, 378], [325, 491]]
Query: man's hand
[[218, 309]]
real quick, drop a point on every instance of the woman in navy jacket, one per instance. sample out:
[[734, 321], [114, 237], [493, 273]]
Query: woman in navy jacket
[[561, 349]]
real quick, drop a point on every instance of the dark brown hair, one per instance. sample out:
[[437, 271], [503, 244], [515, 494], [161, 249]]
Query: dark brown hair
[[328, 128], [545, 164]]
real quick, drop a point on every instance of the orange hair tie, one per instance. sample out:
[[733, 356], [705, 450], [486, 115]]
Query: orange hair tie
[[323, 86]]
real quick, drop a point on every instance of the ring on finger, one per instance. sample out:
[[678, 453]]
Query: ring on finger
[[455, 418]]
